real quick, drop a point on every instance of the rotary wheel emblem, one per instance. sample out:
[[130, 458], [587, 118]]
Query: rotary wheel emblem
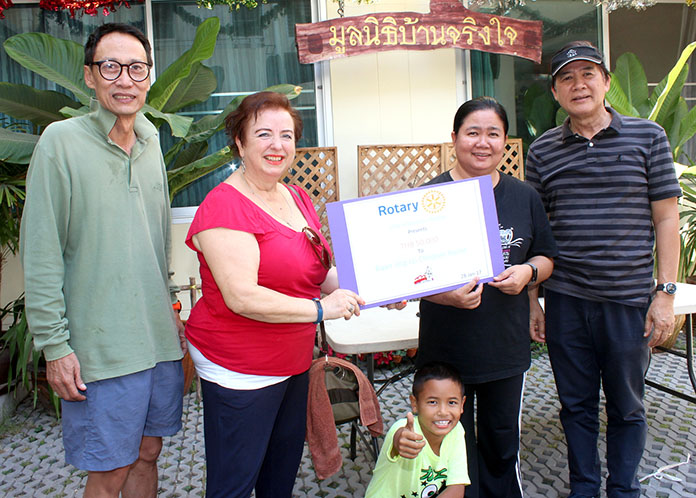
[[433, 201]]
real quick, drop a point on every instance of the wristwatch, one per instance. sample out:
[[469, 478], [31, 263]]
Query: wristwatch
[[534, 272], [668, 287]]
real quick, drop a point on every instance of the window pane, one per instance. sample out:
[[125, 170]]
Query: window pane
[[255, 49], [511, 78]]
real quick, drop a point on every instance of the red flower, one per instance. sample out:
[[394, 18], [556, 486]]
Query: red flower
[[91, 8], [4, 4], [383, 358]]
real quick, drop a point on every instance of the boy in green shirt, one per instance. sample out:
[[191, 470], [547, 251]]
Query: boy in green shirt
[[425, 455]]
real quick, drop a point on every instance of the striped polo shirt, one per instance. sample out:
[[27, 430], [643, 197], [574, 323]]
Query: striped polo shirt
[[597, 195]]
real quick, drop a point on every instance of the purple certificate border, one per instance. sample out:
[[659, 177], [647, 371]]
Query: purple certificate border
[[344, 256]]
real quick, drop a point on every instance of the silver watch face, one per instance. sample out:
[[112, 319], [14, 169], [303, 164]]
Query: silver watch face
[[670, 288]]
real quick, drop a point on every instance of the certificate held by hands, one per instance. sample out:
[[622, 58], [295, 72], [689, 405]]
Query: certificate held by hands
[[417, 242]]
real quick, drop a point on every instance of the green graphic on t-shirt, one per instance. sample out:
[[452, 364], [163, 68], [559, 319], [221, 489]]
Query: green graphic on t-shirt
[[430, 475]]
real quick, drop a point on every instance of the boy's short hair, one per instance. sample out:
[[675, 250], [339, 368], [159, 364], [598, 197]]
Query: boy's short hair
[[435, 371]]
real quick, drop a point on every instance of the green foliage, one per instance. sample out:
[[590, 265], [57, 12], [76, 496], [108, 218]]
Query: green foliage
[[24, 365], [539, 110], [194, 145], [687, 263], [12, 181], [180, 71], [38, 106], [629, 94], [16, 147], [232, 4], [187, 81], [60, 61]]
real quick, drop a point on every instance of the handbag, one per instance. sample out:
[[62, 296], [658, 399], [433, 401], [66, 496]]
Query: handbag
[[342, 386]]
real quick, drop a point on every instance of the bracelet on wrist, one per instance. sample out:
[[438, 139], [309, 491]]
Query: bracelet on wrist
[[320, 310], [177, 306]]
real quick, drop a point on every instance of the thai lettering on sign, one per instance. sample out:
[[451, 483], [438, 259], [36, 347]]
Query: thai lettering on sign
[[457, 27]]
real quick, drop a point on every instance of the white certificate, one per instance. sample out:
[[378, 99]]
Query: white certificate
[[417, 242]]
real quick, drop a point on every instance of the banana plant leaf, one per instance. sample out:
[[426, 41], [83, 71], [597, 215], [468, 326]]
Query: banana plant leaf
[[57, 60], [618, 100], [539, 110], [16, 147], [41, 107], [193, 89], [208, 126], [630, 75], [202, 48], [178, 124], [672, 124], [190, 154], [671, 79], [671, 98], [179, 178], [687, 128]]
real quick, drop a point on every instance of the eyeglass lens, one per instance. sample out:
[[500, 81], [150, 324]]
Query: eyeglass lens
[[111, 70]]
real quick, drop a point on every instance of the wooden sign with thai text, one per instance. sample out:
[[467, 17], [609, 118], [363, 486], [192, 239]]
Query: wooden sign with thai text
[[448, 24]]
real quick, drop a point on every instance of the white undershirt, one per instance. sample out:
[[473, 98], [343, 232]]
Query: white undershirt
[[212, 372]]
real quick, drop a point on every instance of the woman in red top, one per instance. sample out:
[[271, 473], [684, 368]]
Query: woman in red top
[[264, 266]]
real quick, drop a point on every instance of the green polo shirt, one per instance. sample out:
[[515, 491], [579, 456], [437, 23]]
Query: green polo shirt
[[95, 243]]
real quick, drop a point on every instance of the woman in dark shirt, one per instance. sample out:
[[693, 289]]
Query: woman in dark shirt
[[483, 329]]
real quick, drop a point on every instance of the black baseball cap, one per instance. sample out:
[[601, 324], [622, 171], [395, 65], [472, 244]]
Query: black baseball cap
[[577, 53]]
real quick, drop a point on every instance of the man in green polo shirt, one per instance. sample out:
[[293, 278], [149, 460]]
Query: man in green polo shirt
[[95, 247]]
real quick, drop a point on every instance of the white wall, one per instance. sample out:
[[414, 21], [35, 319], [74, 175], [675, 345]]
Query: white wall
[[12, 280], [398, 97]]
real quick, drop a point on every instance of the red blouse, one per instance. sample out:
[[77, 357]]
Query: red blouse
[[288, 264]]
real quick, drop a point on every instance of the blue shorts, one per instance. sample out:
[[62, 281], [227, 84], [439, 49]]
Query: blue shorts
[[104, 431]]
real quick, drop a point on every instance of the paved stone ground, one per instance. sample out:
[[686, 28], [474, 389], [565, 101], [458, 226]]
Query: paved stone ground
[[31, 448]]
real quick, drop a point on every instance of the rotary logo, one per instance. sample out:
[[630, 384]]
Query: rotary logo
[[433, 201]]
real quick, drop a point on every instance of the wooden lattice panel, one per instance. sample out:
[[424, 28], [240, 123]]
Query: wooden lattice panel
[[314, 171], [511, 164], [513, 159], [388, 168]]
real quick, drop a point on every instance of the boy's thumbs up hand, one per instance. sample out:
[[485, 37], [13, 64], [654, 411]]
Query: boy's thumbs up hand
[[407, 443]]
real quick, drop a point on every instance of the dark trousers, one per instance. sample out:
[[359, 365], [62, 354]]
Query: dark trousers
[[591, 344], [493, 437], [254, 439]]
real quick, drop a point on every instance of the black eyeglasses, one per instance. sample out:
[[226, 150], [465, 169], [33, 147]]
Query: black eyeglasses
[[319, 249], [111, 70]]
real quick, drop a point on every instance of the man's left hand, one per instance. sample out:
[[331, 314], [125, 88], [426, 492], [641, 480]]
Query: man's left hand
[[660, 319], [181, 329]]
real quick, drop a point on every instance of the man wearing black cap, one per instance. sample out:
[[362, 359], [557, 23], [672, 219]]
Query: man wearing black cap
[[609, 188]]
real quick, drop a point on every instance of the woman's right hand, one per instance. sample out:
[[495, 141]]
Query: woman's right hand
[[341, 303]]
